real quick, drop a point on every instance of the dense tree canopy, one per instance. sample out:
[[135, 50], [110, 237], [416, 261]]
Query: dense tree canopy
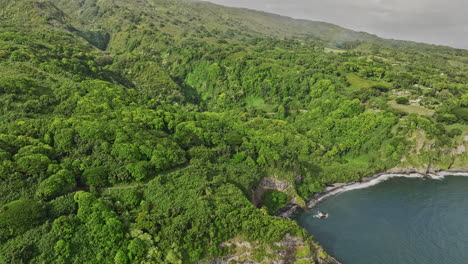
[[138, 132]]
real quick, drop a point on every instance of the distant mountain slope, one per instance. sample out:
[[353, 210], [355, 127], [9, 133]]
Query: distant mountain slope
[[186, 14], [103, 17]]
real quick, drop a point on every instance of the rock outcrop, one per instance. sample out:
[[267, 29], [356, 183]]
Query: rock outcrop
[[287, 251], [270, 183]]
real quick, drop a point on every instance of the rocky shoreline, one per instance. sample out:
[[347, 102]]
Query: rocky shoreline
[[366, 182]]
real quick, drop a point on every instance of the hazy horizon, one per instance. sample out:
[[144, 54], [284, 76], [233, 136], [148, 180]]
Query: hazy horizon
[[428, 21]]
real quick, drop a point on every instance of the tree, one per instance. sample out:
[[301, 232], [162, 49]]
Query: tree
[[121, 258], [233, 138], [139, 170], [282, 112], [64, 139], [96, 176], [34, 164], [60, 183], [136, 249], [173, 258]]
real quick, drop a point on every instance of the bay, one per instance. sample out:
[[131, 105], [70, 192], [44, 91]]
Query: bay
[[399, 221]]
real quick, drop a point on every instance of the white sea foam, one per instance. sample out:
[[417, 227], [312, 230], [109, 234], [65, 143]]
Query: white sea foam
[[381, 178]]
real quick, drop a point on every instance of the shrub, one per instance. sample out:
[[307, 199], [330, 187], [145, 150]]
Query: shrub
[[402, 100], [461, 113], [381, 88], [454, 132], [446, 118]]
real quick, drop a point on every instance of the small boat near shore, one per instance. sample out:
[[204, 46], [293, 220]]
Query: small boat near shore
[[321, 215]]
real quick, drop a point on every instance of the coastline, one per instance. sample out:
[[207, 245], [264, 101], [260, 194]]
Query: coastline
[[366, 182]]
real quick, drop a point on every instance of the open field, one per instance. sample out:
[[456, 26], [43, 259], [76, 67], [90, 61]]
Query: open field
[[412, 109], [358, 82]]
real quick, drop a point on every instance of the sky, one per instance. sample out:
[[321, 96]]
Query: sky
[[443, 22]]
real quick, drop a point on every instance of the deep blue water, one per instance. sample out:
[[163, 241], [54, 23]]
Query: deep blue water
[[399, 221]]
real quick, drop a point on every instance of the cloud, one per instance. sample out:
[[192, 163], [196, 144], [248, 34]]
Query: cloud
[[431, 21]]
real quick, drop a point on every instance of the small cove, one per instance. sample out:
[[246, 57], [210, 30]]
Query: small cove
[[400, 220]]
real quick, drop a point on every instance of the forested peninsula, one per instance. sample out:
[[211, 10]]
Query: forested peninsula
[[171, 131]]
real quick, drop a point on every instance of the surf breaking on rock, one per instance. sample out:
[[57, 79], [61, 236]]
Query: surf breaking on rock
[[374, 180]]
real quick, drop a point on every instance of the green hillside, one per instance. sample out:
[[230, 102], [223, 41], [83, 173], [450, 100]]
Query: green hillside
[[139, 131]]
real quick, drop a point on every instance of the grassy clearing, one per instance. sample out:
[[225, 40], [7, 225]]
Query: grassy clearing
[[254, 101], [267, 107], [412, 109], [329, 50], [455, 63], [259, 103], [420, 160], [357, 82], [360, 161]]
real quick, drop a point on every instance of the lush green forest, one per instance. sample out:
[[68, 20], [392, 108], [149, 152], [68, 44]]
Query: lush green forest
[[138, 131]]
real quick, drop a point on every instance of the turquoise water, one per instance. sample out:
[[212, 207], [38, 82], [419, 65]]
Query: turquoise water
[[399, 221]]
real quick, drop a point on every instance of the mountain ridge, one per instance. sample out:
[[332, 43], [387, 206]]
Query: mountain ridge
[[376, 37]]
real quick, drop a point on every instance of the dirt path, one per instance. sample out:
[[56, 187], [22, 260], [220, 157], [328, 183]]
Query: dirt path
[[124, 187]]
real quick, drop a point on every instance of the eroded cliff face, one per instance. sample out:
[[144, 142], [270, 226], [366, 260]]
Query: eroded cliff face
[[288, 251], [265, 184], [426, 158], [272, 183]]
